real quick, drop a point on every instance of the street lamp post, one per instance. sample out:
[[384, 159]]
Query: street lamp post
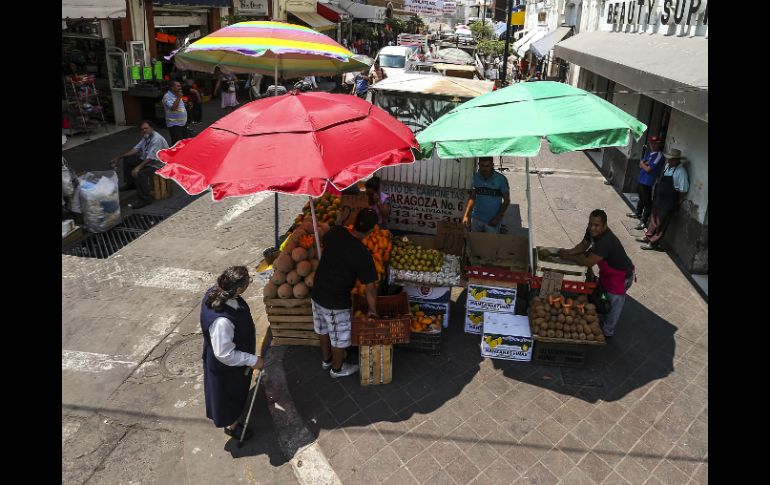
[[508, 7]]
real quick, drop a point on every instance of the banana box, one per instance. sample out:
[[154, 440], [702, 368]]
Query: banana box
[[506, 336], [483, 298]]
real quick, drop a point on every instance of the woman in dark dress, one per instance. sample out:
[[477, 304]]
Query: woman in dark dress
[[229, 350]]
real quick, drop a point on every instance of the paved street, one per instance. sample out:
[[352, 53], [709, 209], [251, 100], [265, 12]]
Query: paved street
[[132, 399]]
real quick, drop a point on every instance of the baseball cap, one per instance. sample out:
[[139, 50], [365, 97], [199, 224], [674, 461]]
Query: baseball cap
[[655, 138]]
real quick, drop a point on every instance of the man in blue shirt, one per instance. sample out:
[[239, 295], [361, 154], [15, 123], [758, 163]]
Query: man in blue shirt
[[176, 114], [141, 162], [361, 84], [489, 198], [649, 168]]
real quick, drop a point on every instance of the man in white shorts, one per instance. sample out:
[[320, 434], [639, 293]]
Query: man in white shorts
[[344, 260]]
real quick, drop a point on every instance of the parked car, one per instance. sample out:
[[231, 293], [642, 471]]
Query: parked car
[[393, 59]]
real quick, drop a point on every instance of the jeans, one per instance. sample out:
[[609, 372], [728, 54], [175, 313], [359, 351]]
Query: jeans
[[644, 206], [616, 307], [142, 180], [478, 225], [177, 133]]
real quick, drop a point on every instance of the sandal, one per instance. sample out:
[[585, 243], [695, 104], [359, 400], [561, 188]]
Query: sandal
[[237, 431]]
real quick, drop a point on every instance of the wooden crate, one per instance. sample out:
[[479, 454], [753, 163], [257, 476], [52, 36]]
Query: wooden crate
[[291, 321], [571, 271], [375, 364], [160, 188]]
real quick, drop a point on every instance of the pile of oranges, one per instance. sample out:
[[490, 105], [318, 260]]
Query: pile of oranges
[[380, 243]]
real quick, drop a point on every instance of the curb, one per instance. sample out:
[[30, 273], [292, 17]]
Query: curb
[[307, 460]]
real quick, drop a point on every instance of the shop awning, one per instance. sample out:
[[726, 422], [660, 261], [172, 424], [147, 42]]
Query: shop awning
[[524, 47], [677, 66], [314, 20], [93, 9], [370, 13], [331, 12], [542, 47], [194, 3], [525, 36]]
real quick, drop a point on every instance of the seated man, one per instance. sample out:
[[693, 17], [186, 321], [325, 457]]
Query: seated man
[[141, 162]]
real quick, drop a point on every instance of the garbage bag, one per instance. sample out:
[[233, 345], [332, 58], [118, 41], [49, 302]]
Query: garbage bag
[[99, 200]]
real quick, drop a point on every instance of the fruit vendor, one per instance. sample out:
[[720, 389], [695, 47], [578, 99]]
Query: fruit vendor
[[229, 350], [488, 200], [344, 259], [379, 201], [601, 247]]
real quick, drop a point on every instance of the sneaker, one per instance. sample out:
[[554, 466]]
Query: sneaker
[[648, 246], [639, 227], [642, 239], [632, 215], [139, 204], [346, 370], [326, 365]]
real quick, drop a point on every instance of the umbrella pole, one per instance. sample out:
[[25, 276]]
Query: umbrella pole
[[529, 217], [315, 227], [275, 204]]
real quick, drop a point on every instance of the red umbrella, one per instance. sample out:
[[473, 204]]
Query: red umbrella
[[301, 143]]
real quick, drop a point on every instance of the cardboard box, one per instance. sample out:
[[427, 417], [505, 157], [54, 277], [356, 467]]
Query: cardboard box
[[487, 298], [431, 300], [498, 250], [474, 322], [506, 337]]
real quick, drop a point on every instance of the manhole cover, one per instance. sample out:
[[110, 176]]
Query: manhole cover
[[589, 377], [183, 358]]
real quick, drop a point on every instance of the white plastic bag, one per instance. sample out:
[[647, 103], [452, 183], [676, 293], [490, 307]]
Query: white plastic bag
[[99, 200]]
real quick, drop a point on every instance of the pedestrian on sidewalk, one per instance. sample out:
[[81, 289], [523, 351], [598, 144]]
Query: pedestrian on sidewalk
[[226, 84], [255, 86], [670, 194], [196, 103], [344, 260], [141, 162], [488, 200], [176, 113], [649, 169], [600, 246], [229, 350], [361, 84]]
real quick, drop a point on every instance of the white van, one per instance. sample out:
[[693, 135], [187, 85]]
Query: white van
[[393, 59]]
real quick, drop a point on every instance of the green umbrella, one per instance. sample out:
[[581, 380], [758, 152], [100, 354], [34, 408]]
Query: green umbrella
[[513, 121]]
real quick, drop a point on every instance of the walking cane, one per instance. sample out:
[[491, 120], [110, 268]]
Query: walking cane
[[251, 406]]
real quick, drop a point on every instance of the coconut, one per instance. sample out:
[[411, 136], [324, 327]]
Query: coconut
[[309, 279], [284, 262], [270, 290], [301, 290], [587, 329], [293, 277], [560, 318], [299, 254], [582, 336], [590, 336], [278, 278], [304, 268], [559, 334], [551, 333], [285, 291]]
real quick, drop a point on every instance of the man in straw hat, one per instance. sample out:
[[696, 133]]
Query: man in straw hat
[[672, 188]]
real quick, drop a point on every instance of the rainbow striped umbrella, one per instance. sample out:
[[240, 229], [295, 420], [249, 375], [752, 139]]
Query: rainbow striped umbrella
[[267, 48]]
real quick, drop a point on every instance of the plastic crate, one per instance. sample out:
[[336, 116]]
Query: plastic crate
[[560, 355], [391, 330], [427, 343]]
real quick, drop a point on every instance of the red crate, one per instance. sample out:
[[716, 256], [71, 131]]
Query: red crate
[[497, 274], [391, 330]]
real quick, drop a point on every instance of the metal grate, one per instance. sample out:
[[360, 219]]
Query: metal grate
[[103, 245]]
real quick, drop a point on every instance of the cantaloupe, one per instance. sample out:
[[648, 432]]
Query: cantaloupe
[[323, 227], [293, 278], [299, 254], [311, 252], [301, 290], [278, 278], [290, 245], [304, 268], [298, 233], [307, 226], [314, 263], [270, 290], [285, 291], [284, 262], [309, 279]]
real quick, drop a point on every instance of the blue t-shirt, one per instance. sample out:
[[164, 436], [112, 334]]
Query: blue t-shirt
[[654, 159], [362, 84], [489, 195]]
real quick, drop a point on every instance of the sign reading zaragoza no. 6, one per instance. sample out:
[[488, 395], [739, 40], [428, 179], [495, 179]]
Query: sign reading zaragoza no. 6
[[647, 12]]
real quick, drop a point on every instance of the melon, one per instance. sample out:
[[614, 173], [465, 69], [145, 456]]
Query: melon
[[285, 291], [309, 279], [290, 245], [301, 290], [270, 290], [314, 264], [299, 254], [323, 227], [304, 268], [284, 262], [311, 252], [298, 233], [293, 278], [307, 226], [278, 278]]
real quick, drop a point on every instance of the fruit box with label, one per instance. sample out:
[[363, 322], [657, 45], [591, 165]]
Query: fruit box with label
[[486, 299], [430, 300], [498, 250], [506, 336]]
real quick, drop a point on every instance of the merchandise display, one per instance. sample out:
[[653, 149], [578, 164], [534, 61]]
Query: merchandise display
[[565, 318]]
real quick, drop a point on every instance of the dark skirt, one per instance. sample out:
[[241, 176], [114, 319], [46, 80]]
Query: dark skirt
[[226, 392]]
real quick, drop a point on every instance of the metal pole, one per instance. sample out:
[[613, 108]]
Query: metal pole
[[315, 227], [508, 6], [529, 217], [275, 204], [251, 406]]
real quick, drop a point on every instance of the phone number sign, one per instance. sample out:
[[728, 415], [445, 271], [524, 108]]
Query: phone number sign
[[418, 208]]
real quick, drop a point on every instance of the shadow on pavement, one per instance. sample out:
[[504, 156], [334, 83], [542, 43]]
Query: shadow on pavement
[[263, 440]]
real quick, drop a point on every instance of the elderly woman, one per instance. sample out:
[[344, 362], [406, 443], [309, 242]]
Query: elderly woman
[[229, 350]]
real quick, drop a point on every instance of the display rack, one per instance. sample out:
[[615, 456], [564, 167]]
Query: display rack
[[83, 106]]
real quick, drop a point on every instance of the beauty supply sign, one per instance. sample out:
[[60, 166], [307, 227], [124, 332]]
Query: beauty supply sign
[[418, 208]]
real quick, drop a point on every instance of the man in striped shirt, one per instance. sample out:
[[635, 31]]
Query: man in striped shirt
[[176, 114]]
